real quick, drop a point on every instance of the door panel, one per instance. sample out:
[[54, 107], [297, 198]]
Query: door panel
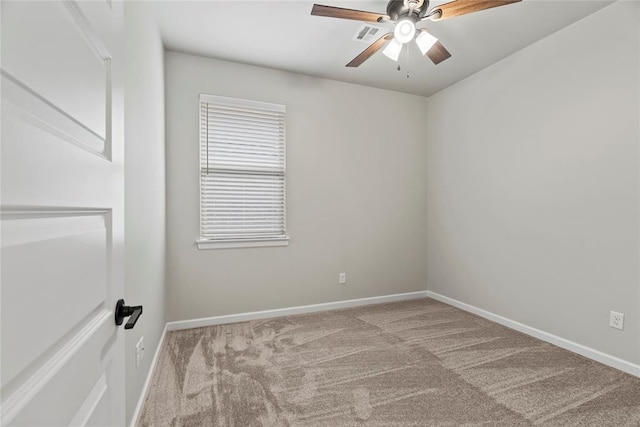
[[61, 217], [66, 249], [62, 64], [26, 108], [55, 393], [94, 408]]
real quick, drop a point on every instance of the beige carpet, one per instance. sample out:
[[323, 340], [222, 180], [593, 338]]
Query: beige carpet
[[415, 363]]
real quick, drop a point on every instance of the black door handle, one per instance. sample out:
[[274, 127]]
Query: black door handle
[[123, 311]]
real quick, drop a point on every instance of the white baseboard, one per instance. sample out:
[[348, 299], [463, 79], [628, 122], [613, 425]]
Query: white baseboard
[[147, 382], [244, 317], [598, 356]]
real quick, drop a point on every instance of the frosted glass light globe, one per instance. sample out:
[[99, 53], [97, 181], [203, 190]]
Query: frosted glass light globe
[[393, 49], [404, 31], [425, 41]]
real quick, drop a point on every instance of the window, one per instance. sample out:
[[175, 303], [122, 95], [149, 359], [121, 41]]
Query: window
[[242, 173]]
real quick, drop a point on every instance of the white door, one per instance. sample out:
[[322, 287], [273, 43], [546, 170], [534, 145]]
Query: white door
[[61, 213]]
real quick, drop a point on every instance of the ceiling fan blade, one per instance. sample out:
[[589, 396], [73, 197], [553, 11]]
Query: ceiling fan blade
[[368, 52], [339, 12], [462, 7], [438, 53]]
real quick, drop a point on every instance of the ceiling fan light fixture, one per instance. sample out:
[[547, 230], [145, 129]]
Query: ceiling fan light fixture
[[405, 14], [404, 31], [393, 49], [425, 41]]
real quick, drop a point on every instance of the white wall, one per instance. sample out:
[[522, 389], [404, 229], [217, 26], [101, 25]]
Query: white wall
[[356, 200], [533, 193], [144, 191]]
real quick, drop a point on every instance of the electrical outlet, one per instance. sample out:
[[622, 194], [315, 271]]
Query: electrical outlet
[[342, 278], [616, 320], [139, 351]]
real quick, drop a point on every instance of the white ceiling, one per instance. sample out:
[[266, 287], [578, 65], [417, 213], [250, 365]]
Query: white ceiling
[[283, 35]]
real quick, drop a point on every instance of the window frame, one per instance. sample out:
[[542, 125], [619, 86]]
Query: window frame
[[249, 242]]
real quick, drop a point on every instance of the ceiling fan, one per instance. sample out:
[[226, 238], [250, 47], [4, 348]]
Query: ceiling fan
[[406, 15]]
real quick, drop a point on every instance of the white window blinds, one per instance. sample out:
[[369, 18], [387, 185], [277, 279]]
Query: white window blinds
[[242, 169]]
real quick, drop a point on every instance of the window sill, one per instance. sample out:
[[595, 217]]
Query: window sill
[[245, 243]]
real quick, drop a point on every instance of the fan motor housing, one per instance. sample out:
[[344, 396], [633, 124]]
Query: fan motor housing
[[397, 9]]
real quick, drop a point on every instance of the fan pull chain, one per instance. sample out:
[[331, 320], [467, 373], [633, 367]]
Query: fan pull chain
[[408, 63]]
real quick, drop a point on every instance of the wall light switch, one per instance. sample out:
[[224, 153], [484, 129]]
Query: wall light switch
[[139, 351]]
